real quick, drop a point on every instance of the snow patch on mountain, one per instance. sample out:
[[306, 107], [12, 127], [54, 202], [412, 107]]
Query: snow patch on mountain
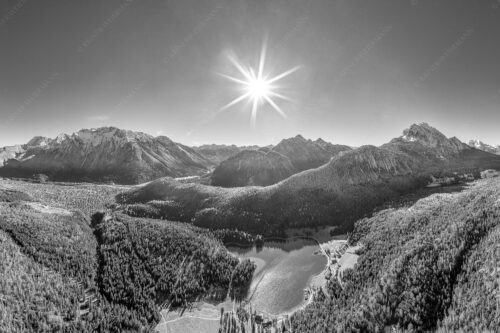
[[495, 149]]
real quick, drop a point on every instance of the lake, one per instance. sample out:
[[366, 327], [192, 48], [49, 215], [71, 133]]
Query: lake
[[284, 270]]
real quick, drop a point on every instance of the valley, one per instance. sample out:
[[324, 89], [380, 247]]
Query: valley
[[218, 166], [277, 270], [329, 246]]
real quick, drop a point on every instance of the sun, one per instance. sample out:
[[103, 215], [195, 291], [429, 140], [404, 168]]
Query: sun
[[258, 89], [257, 86]]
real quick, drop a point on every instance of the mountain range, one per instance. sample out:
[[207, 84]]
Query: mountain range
[[270, 165], [128, 157], [337, 193], [103, 154], [109, 154]]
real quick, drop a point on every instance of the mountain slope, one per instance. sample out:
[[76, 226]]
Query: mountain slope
[[20, 276], [106, 153], [252, 167], [273, 164], [351, 185], [307, 154], [165, 260], [419, 269]]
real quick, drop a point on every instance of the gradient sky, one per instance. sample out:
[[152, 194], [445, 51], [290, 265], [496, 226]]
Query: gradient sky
[[369, 68]]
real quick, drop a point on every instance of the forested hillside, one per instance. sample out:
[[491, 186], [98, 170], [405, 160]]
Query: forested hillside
[[53, 250], [58, 239], [108, 274], [252, 168], [148, 262], [32, 299], [420, 268]]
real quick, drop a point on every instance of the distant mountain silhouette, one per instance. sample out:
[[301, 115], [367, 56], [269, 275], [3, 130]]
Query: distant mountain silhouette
[[270, 165], [103, 154], [218, 153]]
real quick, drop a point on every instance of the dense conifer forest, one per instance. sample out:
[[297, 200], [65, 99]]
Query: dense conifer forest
[[420, 268], [108, 272], [147, 262]]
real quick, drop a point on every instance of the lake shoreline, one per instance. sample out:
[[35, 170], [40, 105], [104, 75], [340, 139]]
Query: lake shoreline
[[208, 312]]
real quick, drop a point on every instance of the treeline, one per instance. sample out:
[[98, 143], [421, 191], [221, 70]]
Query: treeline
[[235, 236], [419, 269], [210, 218]]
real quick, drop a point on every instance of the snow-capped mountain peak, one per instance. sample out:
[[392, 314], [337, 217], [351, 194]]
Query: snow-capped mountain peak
[[495, 149]]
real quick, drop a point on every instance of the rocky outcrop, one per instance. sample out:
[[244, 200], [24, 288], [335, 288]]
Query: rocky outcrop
[[422, 137]]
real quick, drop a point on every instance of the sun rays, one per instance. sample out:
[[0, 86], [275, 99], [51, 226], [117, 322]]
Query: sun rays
[[257, 86]]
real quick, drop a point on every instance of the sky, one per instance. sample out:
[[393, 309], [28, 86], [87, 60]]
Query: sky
[[368, 69]]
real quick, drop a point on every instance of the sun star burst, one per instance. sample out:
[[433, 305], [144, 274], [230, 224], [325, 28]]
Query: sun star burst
[[257, 86]]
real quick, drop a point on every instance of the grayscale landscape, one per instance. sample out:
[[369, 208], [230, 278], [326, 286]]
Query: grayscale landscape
[[249, 166]]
